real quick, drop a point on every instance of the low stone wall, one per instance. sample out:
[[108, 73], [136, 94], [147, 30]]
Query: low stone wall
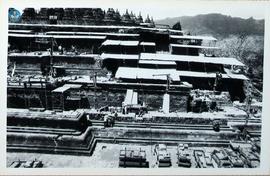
[[82, 144], [79, 123], [161, 119], [187, 120]]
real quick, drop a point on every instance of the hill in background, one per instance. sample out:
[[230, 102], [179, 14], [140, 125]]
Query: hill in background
[[217, 25]]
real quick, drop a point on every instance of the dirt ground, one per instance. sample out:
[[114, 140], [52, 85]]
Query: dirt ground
[[104, 156]]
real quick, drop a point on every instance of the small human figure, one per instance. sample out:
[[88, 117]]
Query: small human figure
[[140, 113], [73, 49], [60, 49]]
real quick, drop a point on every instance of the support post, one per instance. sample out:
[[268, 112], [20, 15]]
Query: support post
[[166, 103]]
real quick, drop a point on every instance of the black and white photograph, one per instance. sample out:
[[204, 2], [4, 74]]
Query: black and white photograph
[[141, 85]]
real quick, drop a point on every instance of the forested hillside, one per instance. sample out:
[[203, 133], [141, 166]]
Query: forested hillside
[[217, 24]]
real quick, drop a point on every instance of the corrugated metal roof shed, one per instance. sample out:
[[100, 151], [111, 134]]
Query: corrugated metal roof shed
[[121, 42], [147, 73], [66, 87], [119, 56], [61, 89], [157, 62], [92, 33], [73, 86], [194, 46], [186, 58], [148, 43], [57, 36], [193, 37]]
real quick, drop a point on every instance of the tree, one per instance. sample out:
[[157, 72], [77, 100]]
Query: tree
[[236, 46], [245, 48]]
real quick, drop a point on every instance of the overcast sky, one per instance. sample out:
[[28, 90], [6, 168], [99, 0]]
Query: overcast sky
[[160, 9]]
